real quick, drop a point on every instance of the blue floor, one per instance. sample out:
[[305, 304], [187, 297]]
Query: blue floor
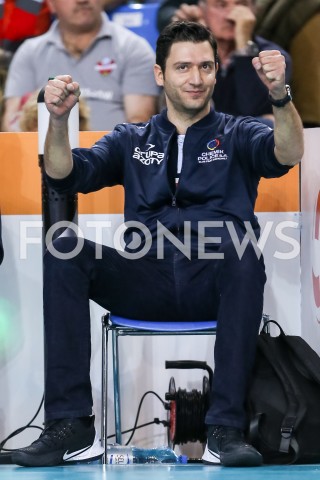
[[159, 472]]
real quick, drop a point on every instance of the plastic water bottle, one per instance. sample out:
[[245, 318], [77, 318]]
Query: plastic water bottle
[[127, 455]]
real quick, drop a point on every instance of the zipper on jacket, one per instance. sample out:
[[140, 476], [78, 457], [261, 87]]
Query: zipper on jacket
[[174, 204]]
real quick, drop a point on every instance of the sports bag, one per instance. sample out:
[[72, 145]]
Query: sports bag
[[283, 401]]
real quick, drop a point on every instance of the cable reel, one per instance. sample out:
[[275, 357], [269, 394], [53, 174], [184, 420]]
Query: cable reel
[[187, 410]]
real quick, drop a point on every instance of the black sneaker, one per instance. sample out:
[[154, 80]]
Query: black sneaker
[[227, 446], [62, 441]]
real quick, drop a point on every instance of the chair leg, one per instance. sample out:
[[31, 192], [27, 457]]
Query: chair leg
[[116, 386], [104, 388]]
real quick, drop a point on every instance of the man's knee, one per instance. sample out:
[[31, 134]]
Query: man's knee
[[62, 248], [245, 263]]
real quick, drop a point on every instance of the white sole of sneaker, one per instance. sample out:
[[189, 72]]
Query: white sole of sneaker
[[210, 457], [91, 453]]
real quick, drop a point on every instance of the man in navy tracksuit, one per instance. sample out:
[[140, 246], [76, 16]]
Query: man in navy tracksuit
[[190, 177]]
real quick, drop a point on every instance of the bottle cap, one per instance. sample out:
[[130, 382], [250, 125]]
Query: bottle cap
[[183, 459]]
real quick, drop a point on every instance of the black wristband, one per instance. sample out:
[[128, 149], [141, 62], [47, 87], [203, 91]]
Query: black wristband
[[283, 101]]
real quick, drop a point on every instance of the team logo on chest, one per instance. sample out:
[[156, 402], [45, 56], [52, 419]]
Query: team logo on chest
[[106, 66], [213, 153], [148, 156]]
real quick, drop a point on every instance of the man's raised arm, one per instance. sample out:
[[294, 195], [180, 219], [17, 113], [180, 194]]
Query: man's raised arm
[[61, 94], [288, 130]]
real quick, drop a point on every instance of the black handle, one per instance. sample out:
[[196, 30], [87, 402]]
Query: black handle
[[190, 364]]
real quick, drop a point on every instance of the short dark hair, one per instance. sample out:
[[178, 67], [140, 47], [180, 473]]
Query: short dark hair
[[182, 31]]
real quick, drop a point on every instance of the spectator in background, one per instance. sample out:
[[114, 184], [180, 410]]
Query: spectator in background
[[113, 64], [295, 25], [238, 91], [167, 10], [20, 19], [5, 58], [28, 120]]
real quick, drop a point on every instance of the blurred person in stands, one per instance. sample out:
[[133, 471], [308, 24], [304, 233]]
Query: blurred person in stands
[[238, 91], [113, 64], [295, 26], [21, 19], [28, 120], [5, 58], [167, 10]]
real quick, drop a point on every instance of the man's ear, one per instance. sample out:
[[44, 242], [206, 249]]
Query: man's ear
[[158, 75]]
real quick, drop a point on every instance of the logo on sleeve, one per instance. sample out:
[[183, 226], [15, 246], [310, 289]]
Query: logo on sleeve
[[149, 156], [215, 152]]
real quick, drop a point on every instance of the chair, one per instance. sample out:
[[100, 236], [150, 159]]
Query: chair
[[141, 18], [120, 326]]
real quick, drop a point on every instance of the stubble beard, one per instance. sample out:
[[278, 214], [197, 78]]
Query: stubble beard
[[188, 108]]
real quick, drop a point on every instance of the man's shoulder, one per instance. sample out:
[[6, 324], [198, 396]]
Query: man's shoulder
[[240, 128], [157, 125], [139, 127], [35, 44]]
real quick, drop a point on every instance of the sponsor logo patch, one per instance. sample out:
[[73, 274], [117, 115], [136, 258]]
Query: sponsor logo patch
[[215, 152], [149, 156]]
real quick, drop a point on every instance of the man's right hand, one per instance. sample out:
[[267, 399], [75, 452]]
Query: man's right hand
[[61, 94], [191, 13], [244, 20]]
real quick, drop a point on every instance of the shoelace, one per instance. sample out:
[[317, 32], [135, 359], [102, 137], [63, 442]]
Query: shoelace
[[55, 433], [216, 433], [221, 433]]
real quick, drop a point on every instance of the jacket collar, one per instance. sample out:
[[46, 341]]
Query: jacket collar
[[205, 122]]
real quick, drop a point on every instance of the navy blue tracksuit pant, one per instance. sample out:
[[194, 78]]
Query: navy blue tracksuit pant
[[175, 288]]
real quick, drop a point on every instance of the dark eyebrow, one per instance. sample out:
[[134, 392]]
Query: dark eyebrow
[[210, 62], [181, 62]]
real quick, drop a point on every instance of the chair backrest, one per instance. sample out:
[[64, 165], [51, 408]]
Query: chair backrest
[[140, 18]]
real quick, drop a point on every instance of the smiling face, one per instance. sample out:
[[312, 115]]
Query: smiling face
[[77, 15], [189, 77]]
